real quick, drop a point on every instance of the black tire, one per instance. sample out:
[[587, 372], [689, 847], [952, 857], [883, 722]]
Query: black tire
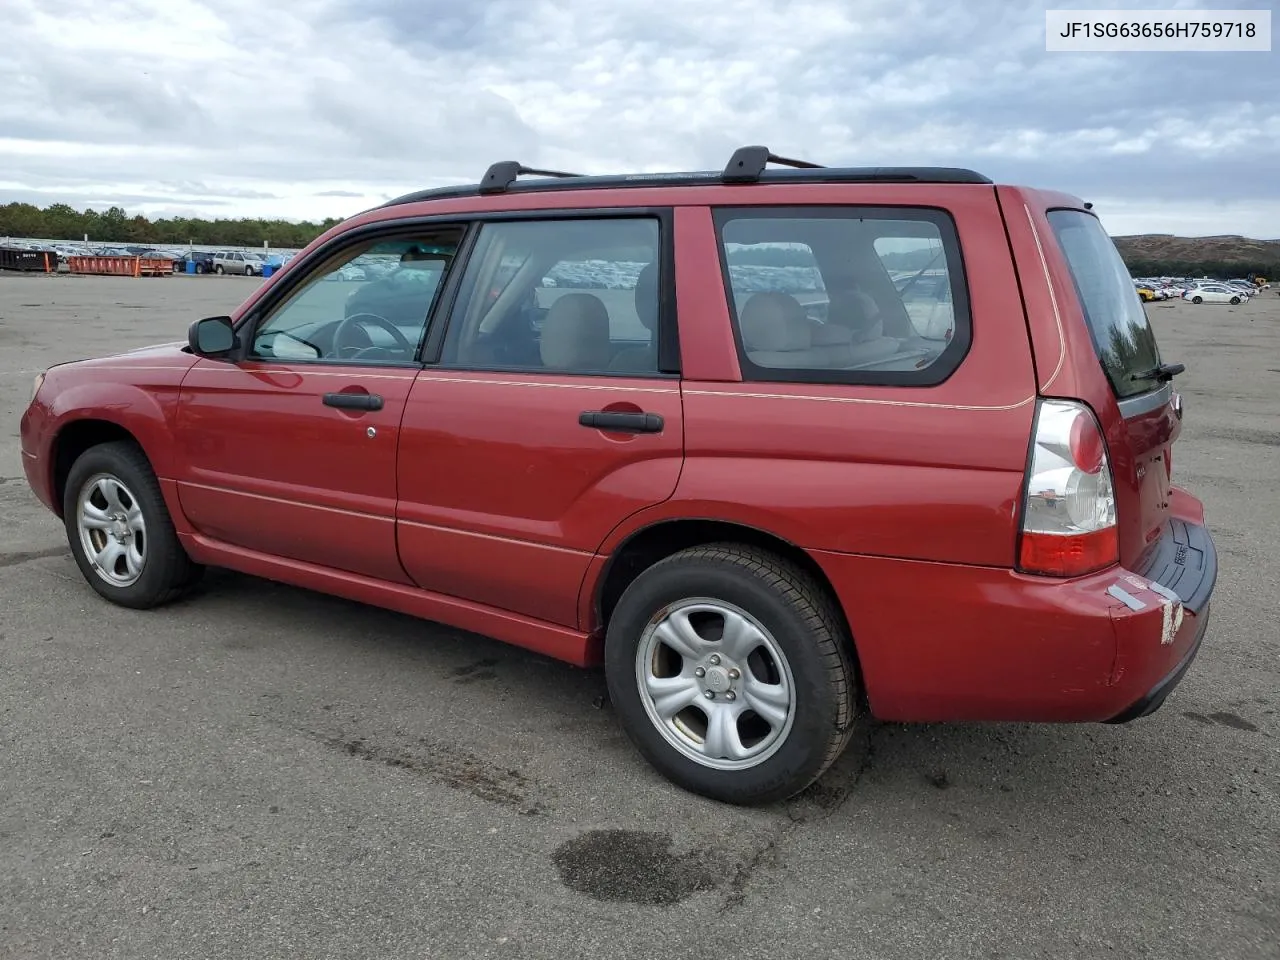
[[217, 268], [804, 624], [167, 572], [1197, 299], [1235, 300]]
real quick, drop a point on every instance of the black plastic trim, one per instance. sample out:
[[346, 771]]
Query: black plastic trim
[[353, 401], [1156, 696], [501, 175], [621, 421], [748, 163], [1182, 559], [438, 323], [938, 372]]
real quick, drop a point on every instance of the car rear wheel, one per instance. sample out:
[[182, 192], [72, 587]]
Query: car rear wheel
[[732, 674], [120, 531]]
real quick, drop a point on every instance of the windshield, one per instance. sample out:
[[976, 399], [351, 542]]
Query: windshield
[[1122, 335]]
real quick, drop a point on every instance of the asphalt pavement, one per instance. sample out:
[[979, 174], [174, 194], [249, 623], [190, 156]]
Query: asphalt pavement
[[260, 771]]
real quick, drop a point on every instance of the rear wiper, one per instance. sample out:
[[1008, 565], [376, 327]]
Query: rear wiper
[[1164, 373]]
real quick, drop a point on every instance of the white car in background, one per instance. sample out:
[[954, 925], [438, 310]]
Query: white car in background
[[1214, 293]]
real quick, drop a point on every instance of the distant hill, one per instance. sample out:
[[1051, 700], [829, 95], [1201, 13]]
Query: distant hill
[[1163, 254]]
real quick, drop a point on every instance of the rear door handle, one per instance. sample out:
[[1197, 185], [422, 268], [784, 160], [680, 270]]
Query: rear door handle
[[621, 422], [353, 401]]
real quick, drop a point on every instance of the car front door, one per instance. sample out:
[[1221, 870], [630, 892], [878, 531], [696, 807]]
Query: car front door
[[290, 450], [549, 410]]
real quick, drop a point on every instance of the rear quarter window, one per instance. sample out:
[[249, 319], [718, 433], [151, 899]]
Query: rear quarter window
[[845, 294], [1122, 335]]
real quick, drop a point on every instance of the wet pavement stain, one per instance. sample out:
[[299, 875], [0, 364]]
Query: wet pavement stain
[[446, 764], [480, 670], [1222, 718], [1231, 720], [631, 866]]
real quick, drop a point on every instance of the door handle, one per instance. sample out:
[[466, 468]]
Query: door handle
[[353, 401], [621, 422]]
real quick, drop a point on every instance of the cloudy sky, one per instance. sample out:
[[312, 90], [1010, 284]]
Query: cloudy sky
[[314, 108]]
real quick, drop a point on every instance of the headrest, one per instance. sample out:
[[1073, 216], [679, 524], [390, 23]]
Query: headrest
[[575, 334], [775, 321], [646, 296], [856, 311]]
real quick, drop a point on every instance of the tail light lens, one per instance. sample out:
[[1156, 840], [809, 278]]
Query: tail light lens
[[1069, 510]]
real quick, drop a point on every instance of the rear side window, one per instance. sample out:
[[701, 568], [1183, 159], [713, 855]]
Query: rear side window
[[845, 294], [1122, 335]]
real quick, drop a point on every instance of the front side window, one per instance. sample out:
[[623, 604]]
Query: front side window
[[845, 294], [560, 296], [368, 304]]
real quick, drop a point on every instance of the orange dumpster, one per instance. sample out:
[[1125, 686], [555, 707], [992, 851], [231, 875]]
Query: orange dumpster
[[121, 266]]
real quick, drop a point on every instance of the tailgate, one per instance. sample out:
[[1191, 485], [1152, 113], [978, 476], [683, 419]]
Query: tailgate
[[1126, 348]]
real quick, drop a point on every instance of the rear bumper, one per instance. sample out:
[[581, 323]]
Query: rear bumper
[[945, 642], [1155, 697]]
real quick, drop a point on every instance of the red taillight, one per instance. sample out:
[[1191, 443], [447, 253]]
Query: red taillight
[[1068, 555], [1069, 509]]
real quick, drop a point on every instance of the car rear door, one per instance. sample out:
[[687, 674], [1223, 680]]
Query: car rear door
[[548, 412], [290, 449]]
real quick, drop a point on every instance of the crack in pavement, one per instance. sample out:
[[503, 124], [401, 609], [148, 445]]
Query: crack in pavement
[[827, 798], [26, 556]]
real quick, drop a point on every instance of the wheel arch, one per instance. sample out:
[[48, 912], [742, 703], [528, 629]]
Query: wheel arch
[[73, 439], [649, 544]]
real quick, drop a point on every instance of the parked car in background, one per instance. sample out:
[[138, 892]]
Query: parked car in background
[[1214, 293], [203, 260], [238, 262], [591, 416]]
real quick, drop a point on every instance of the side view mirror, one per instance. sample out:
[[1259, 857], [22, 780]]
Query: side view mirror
[[211, 337]]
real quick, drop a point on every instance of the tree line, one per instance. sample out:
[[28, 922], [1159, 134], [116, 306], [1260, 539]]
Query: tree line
[[114, 225], [1208, 267]]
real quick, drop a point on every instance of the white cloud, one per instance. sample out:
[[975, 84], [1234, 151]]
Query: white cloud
[[316, 108]]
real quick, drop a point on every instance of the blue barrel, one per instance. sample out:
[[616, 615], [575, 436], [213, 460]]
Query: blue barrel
[[191, 266], [268, 269]]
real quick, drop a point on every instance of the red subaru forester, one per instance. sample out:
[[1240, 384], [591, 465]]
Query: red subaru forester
[[780, 446]]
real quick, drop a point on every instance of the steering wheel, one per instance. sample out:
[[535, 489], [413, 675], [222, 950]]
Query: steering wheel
[[357, 320]]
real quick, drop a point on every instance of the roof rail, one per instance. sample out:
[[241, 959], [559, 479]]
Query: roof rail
[[748, 163], [501, 177], [503, 174]]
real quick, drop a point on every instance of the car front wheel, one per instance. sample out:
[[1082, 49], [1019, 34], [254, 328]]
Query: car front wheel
[[732, 673], [120, 531], [1197, 299]]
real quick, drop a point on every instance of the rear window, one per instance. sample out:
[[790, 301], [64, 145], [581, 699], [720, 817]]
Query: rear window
[[845, 294], [1122, 335]]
